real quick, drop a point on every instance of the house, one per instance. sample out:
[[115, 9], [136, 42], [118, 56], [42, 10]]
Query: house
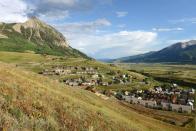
[[165, 105], [86, 84], [139, 91], [149, 103], [59, 71], [73, 84], [135, 100], [127, 93], [181, 108], [158, 89], [127, 98], [104, 84], [146, 103], [190, 104], [175, 85], [124, 76], [95, 76], [192, 91]]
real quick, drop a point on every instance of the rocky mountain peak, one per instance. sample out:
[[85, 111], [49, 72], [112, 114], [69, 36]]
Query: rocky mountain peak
[[35, 29]]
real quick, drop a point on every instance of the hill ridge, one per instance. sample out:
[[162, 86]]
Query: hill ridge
[[181, 52]]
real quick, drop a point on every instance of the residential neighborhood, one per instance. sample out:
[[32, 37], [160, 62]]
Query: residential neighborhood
[[89, 76], [170, 98], [173, 99]]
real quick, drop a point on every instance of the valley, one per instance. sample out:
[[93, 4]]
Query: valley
[[37, 63], [45, 84]]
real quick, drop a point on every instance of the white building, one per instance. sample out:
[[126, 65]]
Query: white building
[[181, 108], [165, 105]]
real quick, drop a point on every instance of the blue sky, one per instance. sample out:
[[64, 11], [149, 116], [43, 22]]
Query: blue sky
[[111, 28]]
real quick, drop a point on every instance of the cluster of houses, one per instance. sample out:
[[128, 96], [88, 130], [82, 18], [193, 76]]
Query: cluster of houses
[[94, 76], [81, 82], [98, 80], [68, 70], [122, 79], [173, 99], [93, 80]]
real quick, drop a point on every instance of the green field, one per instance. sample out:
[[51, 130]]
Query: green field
[[182, 74]]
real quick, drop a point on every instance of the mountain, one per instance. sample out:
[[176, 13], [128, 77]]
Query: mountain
[[35, 35], [181, 52]]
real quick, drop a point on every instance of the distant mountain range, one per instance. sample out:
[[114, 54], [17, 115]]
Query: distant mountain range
[[35, 35], [181, 52]]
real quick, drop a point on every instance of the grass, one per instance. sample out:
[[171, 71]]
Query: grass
[[30, 101], [185, 73], [36, 62]]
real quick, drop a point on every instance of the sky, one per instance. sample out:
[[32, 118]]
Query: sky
[[110, 28]]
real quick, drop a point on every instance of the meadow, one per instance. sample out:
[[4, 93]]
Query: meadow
[[182, 74]]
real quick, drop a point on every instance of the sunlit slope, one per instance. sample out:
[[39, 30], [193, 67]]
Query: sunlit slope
[[30, 101], [37, 62]]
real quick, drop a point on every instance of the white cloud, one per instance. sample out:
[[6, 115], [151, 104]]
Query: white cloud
[[121, 13], [13, 11], [167, 29], [111, 45], [93, 39], [190, 20], [84, 27]]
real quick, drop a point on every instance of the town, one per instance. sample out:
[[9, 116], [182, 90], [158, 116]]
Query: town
[[172, 99], [169, 97], [87, 76]]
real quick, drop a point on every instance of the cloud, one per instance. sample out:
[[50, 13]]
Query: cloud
[[48, 9], [184, 20], [112, 45], [167, 29], [93, 39], [121, 13], [84, 27], [13, 11], [61, 8]]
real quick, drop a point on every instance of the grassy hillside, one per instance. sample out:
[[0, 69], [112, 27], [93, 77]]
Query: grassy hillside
[[29, 101], [37, 63]]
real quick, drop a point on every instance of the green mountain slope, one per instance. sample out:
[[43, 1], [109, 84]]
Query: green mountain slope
[[34, 35]]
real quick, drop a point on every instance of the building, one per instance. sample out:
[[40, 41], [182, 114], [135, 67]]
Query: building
[[181, 108]]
